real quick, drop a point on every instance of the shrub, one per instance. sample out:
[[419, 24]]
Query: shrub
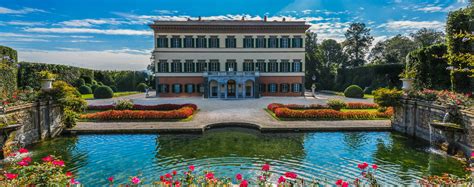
[[124, 105], [164, 107], [79, 82], [181, 113], [358, 105], [94, 87], [354, 91], [100, 107], [103, 92], [328, 114], [141, 87], [336, 104], [114, 88], [386, 97], [85, 89]]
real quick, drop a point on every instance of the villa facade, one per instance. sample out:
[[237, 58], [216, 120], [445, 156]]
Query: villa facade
[[229, 58]]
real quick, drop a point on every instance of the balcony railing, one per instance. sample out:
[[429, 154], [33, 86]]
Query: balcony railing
[[232, 73]]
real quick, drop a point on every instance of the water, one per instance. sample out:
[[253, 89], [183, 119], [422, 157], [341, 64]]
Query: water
[[328, 155]]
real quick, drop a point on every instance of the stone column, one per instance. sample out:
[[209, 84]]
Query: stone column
[[226, 88], [243, 90]]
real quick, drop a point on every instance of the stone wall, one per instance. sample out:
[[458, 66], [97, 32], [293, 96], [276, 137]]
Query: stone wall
[[35, 122], [413, 117]]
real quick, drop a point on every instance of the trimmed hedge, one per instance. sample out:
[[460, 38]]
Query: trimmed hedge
[[371, 76], [103, 92], [159, 107], [141, 87], [8, 71], [84, 89], [181, 113], [354, 91], [329, 114], [430, 67], [94, 87], [350, 105]]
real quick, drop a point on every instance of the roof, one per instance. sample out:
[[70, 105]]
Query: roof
[[232, 23]]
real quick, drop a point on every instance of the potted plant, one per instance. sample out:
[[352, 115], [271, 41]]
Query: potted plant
[[46, 79], [407, 77]]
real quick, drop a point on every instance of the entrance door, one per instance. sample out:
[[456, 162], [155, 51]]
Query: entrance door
[[231, 88]]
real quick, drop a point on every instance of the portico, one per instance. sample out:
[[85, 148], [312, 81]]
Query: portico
[[231, 85]]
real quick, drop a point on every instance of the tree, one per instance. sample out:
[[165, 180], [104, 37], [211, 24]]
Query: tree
[[330, 57], [393, 50], [357, 43], [426, 37], [311, 62]]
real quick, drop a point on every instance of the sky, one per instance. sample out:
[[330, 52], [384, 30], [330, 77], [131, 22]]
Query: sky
[[114, 34]]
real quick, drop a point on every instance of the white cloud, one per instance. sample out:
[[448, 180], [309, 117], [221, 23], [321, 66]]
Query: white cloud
[[21, 23], [26, 10], [103, 60], [430, 9], [166, 11], [90, 22], [412, 25], [7, 39], [90, 31], [86, 41]]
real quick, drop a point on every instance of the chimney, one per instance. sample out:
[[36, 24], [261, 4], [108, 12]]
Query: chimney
[[199, 18], [284, 19], [243, 18], [189, 19], [265, 18]]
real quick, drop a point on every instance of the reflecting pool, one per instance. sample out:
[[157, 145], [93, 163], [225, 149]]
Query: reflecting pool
[[319, 155]]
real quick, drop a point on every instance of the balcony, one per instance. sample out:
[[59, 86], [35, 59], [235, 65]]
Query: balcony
[[231, 73]]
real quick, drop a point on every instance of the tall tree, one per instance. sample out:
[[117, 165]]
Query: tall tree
[[393, 50], [426, 37], [311, 62], [357, 43], [331, 56]]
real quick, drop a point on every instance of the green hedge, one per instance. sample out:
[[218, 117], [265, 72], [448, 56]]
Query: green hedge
[[429, 67], [8, 71], [371, 76]]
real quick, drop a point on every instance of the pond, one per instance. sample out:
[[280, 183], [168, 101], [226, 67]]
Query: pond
[[317, 155]]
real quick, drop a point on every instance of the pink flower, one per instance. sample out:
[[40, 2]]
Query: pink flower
[[374, 166], [238, 177], [12, 154], [191, 167], [135, 180], [48, 158], [261, 178], [209, 175], [266, 167], [291, 175], [174, 172], [23, 150], [111, 179], [345, 184], [27, 159], [339, 182], [168, 175], [73, 181], [363, 165], [281, 179], [69, 174], [11, 176], [58, 163], [177, 184], [244, 183], [23, 163], [472, 154]]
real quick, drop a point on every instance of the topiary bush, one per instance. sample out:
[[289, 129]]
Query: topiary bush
[[85, 89], [141, 87], [354, 91], [114, 88], [336, 104], [79, 82], [94, 86], [386, 97], [103, 92]]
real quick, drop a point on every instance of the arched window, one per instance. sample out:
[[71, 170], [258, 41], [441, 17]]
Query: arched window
[[284, 88], [176, 88], [272, 88], [189, 88]]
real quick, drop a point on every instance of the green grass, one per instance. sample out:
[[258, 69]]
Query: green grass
[[116, 94]]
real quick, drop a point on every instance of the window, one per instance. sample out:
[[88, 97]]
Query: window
[[248, 42], [162, 42], [284, 88], [231, 65], [297, 66], [230, 42], [272, 88], [296, 87], [189, 66], [261, 66], [248, 65], [201, 66], [262, 88], [214, 65], [260, 42], [163, 66], [213, 42], [201, 42], [199, 88], [272, 66], [176, 42], [176, 66], [163, 88], [188, 42], [176, 88], [189, 88], [284, 42], [285, 66], [273, 42], [297, 42]]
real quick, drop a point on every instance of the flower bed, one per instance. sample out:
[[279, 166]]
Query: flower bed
[[329, 114], [160, 107], [181, 113], [350, 105]]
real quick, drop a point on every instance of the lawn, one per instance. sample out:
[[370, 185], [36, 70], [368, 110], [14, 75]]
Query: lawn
[[116, 94]]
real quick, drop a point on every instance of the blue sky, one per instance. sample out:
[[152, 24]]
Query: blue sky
[[113, 34]]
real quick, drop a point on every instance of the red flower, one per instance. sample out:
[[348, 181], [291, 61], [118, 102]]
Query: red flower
[[23, 163], [48, 158], [345, 184], [12, 154], [266, 167], [191, 167], [238, 177], [73, 181], [69, 174], [363, 165], [23, 150], [339, 182], [177, 184], [58, 163], [374, 166], [174, 172], [281, 179], [11, 176], [210, 175], [162, 178], [168, 175], [135, 180], [291, 175], [244, 183], [27, 159], [111, 179]]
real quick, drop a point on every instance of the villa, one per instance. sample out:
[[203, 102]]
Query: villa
[[229, 59]]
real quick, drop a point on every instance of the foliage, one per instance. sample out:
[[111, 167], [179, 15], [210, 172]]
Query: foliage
[[8, 70], [125, 104], [46, 75], [357, 105], [19, 97], [94, 87], [386, 97], [329, 114], [311, 62], [354, 91], [357, 43], [159, 107], [426, 37], [84, 89], [103, 92], [330, 56], [336, 104], [79, 82], [371, 76], [69, 99], [443, 97], [393, 50], [181, 113], [141, 87]]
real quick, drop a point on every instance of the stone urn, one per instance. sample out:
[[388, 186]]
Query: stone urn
[[407, 84], [46, 84]]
